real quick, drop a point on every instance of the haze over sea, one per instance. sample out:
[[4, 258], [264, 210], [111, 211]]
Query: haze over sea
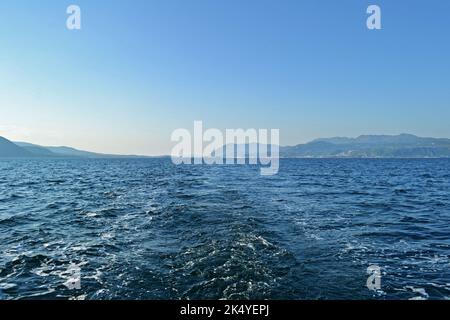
[[147, 229]]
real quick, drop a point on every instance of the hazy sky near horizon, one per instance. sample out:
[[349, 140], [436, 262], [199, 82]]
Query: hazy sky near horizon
[[140, 69]]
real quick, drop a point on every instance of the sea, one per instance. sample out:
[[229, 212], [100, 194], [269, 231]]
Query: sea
[[101, 229]]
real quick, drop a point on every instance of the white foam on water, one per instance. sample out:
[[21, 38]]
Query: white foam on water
[[7, 286]]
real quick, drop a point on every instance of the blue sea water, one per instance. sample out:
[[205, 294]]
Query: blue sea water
[[147, 229]]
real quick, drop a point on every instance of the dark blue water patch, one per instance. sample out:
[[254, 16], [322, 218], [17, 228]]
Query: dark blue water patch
[[146, 229]]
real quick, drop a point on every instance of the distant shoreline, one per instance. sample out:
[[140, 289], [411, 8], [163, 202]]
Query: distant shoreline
[[168, 157], [405, 146]]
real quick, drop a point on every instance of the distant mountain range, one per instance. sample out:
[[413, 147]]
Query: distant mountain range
[[371, 146], [9, 149], [366, 146]]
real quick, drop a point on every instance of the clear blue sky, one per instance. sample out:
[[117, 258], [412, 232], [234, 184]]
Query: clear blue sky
[[140, 69]]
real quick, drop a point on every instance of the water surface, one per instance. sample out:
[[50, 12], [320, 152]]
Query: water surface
[[146, 229]]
